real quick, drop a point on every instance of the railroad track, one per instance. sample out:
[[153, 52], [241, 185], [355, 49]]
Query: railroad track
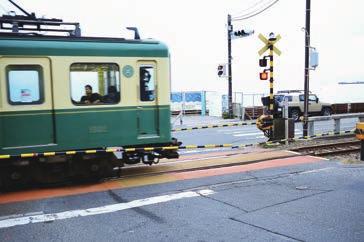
[[184, 164], [330, 149], [212, 161]]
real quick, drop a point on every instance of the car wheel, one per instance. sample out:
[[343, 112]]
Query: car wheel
[[326, 111], [295, 115]]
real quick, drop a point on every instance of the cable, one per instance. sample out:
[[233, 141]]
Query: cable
[[254, 10], [254, 14], [240, 13], [263, 6]]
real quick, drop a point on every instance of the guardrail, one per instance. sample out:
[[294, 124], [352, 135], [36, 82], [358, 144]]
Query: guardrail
[[337, 119]]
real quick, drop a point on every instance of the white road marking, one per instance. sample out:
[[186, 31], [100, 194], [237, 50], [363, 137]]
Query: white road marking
[[318, 170], [100, 210], [247, 134], [20, 215], [321, 158], [230, 130], [293, 152], [198, 150]]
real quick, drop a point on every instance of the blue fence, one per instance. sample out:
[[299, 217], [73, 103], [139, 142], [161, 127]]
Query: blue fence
[[210, 102], [177, 97], [193, 102]]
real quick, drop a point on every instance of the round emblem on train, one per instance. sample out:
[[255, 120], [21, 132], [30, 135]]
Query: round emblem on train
[[128, 71]]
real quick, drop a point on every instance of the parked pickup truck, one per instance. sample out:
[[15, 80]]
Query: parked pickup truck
[[295, 99]]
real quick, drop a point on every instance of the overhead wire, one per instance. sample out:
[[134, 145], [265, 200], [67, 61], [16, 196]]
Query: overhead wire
[[240, 13], [257, 9], [254, 13]]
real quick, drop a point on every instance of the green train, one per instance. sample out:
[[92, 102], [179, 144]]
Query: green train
[[70, 106]]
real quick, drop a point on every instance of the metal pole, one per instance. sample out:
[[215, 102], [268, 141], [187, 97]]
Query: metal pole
[[183, 107], [362, 151], [307, 70], [229, 31], [203, 103], [286, 121]]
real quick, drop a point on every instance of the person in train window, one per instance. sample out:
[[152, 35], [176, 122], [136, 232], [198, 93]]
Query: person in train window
[[90, 98], [145, 93], [112, 96]]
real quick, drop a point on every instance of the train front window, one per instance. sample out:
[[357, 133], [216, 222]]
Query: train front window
[[147, 83], [95, 83], [25, 84]]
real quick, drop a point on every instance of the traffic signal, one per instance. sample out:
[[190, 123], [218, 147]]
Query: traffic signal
[[221, 70], [242, 33], [263, 75], [263, 62]]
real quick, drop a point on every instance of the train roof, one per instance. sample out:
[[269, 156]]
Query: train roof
[[23, 45]]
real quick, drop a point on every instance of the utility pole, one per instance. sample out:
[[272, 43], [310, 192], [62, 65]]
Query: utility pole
[[221, 70], [307, 70], [230, 88]]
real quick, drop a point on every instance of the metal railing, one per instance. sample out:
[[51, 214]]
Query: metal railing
[[337, 120]]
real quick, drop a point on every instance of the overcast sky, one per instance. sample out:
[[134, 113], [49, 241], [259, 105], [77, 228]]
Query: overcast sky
[[195, 31]]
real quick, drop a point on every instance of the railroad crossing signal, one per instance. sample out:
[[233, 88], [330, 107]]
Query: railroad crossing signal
[[269, 45], [268, 42], [263, 63]]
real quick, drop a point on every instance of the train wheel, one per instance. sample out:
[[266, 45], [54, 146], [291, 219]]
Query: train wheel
[[92, 168], [13, 178]]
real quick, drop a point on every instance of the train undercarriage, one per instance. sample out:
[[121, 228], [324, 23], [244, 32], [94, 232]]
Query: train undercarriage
[[80, 167]]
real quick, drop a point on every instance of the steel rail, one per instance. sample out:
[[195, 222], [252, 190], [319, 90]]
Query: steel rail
[[330, 149]]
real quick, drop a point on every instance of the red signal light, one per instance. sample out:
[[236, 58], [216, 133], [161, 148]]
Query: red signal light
[[263, 75]]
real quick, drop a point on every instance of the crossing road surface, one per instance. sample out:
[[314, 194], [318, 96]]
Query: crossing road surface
[[298, 198]]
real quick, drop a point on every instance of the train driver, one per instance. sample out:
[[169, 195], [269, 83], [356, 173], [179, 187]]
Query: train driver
[[90, 98], [145, 93]]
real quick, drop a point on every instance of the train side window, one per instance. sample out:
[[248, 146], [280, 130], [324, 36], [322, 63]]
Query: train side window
[[25, 84], [95, 83], [147, 83]]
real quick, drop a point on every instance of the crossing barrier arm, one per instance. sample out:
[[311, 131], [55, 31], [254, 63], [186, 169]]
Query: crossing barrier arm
[[149, 149]]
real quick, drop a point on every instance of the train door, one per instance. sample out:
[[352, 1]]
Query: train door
[[147, 109], [27, 115]]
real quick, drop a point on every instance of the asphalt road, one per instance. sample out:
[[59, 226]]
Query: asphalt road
[[249, 134], [321, 201]]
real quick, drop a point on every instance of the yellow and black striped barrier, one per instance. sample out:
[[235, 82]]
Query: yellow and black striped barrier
[[359, 131], [327, 134], [141, 149], [213, 126], [85, 152], [210, 146], [265, 122]]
